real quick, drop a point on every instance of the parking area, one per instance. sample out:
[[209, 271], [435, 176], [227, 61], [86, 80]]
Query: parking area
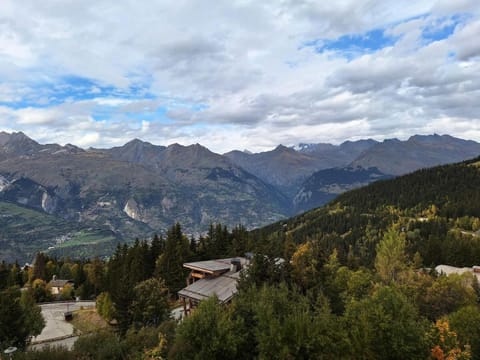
[[57, 331]]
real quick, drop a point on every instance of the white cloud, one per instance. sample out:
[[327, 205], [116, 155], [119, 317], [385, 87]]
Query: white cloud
[[88, 139], [234, 74]]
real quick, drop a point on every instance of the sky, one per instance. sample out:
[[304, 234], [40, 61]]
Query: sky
[[238, 74]]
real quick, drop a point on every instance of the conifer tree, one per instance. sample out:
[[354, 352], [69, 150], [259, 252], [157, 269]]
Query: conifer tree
[[169, 265]]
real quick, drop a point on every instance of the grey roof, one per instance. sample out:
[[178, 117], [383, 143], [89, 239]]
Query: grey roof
[[59, 283], [214, 265], [224, 286]]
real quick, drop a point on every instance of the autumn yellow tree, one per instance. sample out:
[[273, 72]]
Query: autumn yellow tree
[[444, 343], [305, 264], [390, 260]]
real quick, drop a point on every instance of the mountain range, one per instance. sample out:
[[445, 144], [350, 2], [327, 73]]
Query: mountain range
[[116, 194], [312, 174]]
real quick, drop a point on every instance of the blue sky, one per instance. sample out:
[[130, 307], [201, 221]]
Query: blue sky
[[353, 45], [239, 74]]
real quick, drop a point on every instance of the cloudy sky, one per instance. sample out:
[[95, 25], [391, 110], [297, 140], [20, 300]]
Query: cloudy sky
[[238, 74]]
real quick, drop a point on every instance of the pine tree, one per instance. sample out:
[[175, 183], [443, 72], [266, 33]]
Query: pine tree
[[39, 267], [169, 265]]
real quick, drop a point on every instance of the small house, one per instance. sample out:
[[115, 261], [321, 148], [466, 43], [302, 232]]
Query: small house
[[57, 285]]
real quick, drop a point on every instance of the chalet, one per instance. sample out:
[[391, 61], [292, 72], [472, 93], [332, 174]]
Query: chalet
[[57, 285], [212, 277]]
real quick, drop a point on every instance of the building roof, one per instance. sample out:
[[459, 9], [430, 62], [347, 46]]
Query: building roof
[[59, 283], [214, 266], [447, 270], [224, 286]]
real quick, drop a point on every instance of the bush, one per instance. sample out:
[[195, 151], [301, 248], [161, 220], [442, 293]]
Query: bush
[[105, 306], [102, 345], [47, 353]]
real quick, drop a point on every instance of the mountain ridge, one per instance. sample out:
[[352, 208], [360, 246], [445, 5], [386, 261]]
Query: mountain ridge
[[137, 189], [397, 157]]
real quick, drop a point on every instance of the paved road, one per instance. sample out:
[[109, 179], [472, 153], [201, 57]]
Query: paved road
[[55, 325]]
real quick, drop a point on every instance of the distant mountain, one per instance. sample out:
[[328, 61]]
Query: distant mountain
[[137, 151], [19, 144], [140, 188], [397, 157], [286, 168], [313, 174], [282, 167], [337, 155], [136, 189], [381, 161], [325, 185]]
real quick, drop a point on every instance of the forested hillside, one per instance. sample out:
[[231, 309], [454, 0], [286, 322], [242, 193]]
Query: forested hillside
[[437, 208]]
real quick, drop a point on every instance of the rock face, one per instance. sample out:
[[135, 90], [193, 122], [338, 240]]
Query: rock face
[[132, 210], [49, 203]]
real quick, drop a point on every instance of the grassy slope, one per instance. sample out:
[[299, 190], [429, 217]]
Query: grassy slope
[[87, 321], [24, 231]]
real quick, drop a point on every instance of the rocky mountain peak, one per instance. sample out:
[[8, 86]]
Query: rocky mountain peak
[[283, 148], [137, 151], [194, 155], [18, 143], [4, 137]]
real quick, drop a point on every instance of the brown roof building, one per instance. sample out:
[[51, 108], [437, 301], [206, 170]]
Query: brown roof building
[[57, 285], [212, 277]]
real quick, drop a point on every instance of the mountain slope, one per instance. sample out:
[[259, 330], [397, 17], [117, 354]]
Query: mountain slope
[[325, 185], [207, 187], [397, 157], [282, 167], [394, 157], [286, 168], [290, 169], [337, 155], [19, 144], [140, 188], [24, 231], [136, 189], [137, 151], [437, 208]]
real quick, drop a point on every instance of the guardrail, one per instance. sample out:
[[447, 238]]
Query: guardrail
[[53, 339], [68, 302]]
